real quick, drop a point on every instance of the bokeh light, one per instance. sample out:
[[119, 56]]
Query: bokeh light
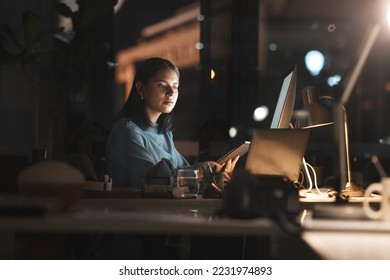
[[314, 61]]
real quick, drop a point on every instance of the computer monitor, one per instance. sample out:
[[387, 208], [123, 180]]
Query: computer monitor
[[286, 101]]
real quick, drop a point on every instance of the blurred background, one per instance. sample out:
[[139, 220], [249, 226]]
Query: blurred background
[[66, 68]]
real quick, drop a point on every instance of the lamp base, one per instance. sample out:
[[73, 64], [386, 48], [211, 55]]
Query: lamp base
[[352, 190]]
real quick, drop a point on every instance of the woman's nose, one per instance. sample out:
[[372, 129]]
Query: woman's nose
[[170, 90]]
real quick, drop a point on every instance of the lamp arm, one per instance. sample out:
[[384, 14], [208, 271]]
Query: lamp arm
[[365, 51], [346, 138]]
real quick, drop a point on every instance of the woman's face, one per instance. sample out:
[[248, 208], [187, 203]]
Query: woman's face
[[160, 93]]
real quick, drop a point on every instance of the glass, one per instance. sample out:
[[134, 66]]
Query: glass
[[187, 184]]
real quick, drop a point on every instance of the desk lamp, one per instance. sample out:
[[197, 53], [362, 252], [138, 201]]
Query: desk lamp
[[340, 113], [317, 115], [320, 116]]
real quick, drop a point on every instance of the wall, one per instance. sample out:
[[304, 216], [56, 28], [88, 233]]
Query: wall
[[24, 122]]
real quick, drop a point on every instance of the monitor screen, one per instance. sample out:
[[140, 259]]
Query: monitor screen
[[286, 101]]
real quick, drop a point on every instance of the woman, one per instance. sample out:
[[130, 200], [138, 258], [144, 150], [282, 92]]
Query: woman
[[141, 141]]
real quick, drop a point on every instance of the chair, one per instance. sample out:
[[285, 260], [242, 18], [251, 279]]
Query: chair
[[94, 181]]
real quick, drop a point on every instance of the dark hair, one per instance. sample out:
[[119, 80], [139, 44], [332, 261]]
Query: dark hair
[[134, 108]]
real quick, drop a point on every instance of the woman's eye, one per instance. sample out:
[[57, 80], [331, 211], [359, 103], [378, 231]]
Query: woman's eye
[[160, 85], [166, 86]]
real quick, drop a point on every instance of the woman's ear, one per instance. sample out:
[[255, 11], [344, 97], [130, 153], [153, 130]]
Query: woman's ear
[[139, 86]]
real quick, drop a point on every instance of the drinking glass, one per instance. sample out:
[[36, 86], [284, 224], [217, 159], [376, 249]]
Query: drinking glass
[[187, 184]]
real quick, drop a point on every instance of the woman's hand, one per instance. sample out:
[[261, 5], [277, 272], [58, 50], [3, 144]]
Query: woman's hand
[[227, 168]]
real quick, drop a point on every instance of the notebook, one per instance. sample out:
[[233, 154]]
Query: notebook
[[277, 152]]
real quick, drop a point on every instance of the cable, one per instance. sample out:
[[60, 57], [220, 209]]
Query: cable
[[312, 181], [307, 173], [299, 184], [315, 177], [315, 180]]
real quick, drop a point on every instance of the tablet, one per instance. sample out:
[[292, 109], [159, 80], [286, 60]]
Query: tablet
[[238, 151]]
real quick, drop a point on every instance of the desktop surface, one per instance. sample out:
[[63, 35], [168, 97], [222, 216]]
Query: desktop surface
[[194, 217], [348, 239]]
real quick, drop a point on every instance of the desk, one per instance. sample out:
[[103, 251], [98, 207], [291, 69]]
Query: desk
[[329, 238], [120, 216], [134, 222], [342, 232], [322, 197], [348, 239], [203, 207]]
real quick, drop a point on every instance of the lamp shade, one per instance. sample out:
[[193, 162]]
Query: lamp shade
[[318, 114]]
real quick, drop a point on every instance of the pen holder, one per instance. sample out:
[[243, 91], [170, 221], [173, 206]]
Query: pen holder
[[212, 185]]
